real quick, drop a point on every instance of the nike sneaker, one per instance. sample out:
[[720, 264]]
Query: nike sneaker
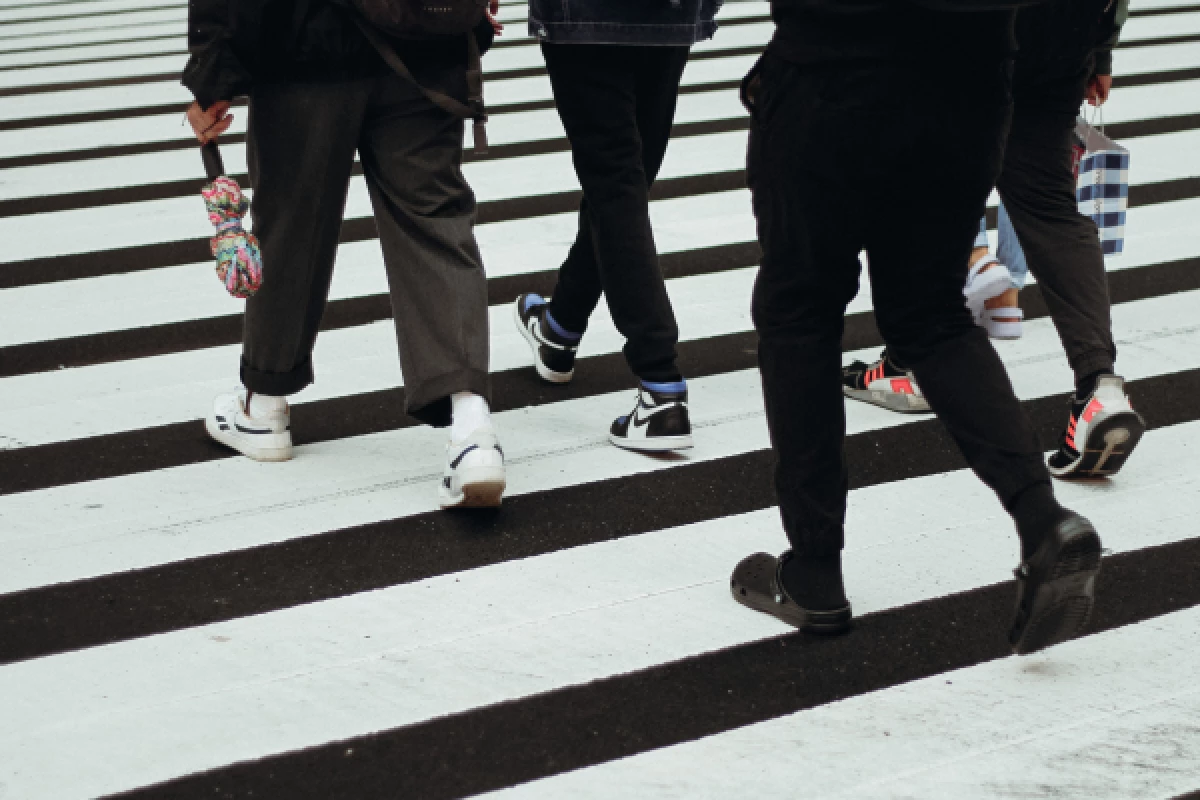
[[262, 438], [553, 346], [658, 423], [884, 384], [474, 476], [1102, 432]]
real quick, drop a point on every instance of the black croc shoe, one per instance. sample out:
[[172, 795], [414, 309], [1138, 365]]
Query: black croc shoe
[[1056, 587], [755, 584]]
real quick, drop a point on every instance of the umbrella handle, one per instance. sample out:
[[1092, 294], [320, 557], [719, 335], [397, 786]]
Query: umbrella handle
[[213, 165]]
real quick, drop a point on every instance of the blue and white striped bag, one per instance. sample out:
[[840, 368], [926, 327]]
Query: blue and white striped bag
[[1102, 185]]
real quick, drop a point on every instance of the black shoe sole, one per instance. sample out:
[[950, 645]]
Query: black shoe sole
[[1061, 602], [1108, 446], [753, 585]]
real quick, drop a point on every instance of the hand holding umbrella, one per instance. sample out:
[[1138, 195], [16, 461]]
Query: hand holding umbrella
[[239, 262]]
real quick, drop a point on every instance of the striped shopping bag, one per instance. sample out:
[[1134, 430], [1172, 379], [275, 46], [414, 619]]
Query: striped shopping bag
[[1102, 184]]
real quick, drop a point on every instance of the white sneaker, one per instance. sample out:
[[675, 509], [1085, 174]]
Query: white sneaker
[[267, 438], [474, 476]]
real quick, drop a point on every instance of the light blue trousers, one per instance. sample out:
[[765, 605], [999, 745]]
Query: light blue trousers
[[1008, 248]]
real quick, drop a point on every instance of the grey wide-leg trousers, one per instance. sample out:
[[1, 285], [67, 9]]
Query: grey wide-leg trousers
[[301, 144]]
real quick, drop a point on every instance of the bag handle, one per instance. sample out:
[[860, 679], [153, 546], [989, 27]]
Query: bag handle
[[473, 108]]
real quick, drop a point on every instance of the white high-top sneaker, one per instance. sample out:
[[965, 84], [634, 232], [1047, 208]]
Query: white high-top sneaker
[[474, 475], [265, 438]]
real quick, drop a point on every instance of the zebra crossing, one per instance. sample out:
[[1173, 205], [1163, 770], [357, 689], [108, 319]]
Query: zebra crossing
[[179, 622]]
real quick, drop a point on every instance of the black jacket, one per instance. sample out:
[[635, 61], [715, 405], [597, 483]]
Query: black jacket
[[815, 31], [236, 43]]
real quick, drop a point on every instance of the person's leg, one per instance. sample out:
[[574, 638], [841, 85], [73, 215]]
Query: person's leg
[[954, 141], [411, 153], [1061, 246], [300, 150], [952, 130], [595, 91], [809, 224], [1063, 252]]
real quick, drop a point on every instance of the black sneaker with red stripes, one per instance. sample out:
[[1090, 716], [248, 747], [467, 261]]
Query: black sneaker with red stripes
[[1101, 433], [884, 384]]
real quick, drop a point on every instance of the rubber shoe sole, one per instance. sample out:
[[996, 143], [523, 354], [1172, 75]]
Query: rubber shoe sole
[[544, 372], [656, 444], [277, 448], [1109, 444], [754, 585], [1056, 592], [483, 487], [892, 401]]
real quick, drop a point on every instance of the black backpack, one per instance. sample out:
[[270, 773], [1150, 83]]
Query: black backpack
[[431, 19]]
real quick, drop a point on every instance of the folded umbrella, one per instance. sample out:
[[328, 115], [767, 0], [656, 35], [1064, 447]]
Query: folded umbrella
[[239, 262]]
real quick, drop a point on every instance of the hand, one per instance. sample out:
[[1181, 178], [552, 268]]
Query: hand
[[1098, 89], [211, 123], [493, 10]]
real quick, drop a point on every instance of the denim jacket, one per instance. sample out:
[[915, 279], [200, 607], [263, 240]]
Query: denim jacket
[[661, 22]]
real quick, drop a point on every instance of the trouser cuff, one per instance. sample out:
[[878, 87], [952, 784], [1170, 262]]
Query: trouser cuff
[[277, 384], [1090, 363], [429, 402]]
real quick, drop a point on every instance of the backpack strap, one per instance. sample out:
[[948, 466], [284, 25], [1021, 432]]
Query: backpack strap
[[472, 109]]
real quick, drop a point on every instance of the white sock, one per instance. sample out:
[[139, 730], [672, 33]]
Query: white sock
[[470, 412], [264, 405]]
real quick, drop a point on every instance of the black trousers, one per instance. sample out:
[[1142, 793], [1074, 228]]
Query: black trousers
[[1037, 184], [897, 160], [617, 104]]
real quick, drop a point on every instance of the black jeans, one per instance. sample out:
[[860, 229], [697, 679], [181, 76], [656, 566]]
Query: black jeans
[[617, 103], [1062, 247], [898, 160]]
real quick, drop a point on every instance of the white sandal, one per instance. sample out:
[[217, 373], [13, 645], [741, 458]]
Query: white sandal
[[983, 284], [1002, 323]]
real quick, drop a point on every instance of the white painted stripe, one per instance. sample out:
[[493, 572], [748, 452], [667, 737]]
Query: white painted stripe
[[27, 32], [1161, 157], [148, 169], [83, 10], [63, 42], [43, 312], [499, 92], [112, 525], [152, 391], [172, 219], [1108, 717], [108, 398], [502, 59], [175, 44], [119, 716], [1161, 26]]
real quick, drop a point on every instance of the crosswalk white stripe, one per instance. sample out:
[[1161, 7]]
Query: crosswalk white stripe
[[136, 712], [116, 524], [498, 60], [106, 398], [515, 37], [128, 224], [527, 126], [53, 311], [167, 128], [1170, 155], [63, 42], [1089, 720], [26, 32], [499, 92]]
